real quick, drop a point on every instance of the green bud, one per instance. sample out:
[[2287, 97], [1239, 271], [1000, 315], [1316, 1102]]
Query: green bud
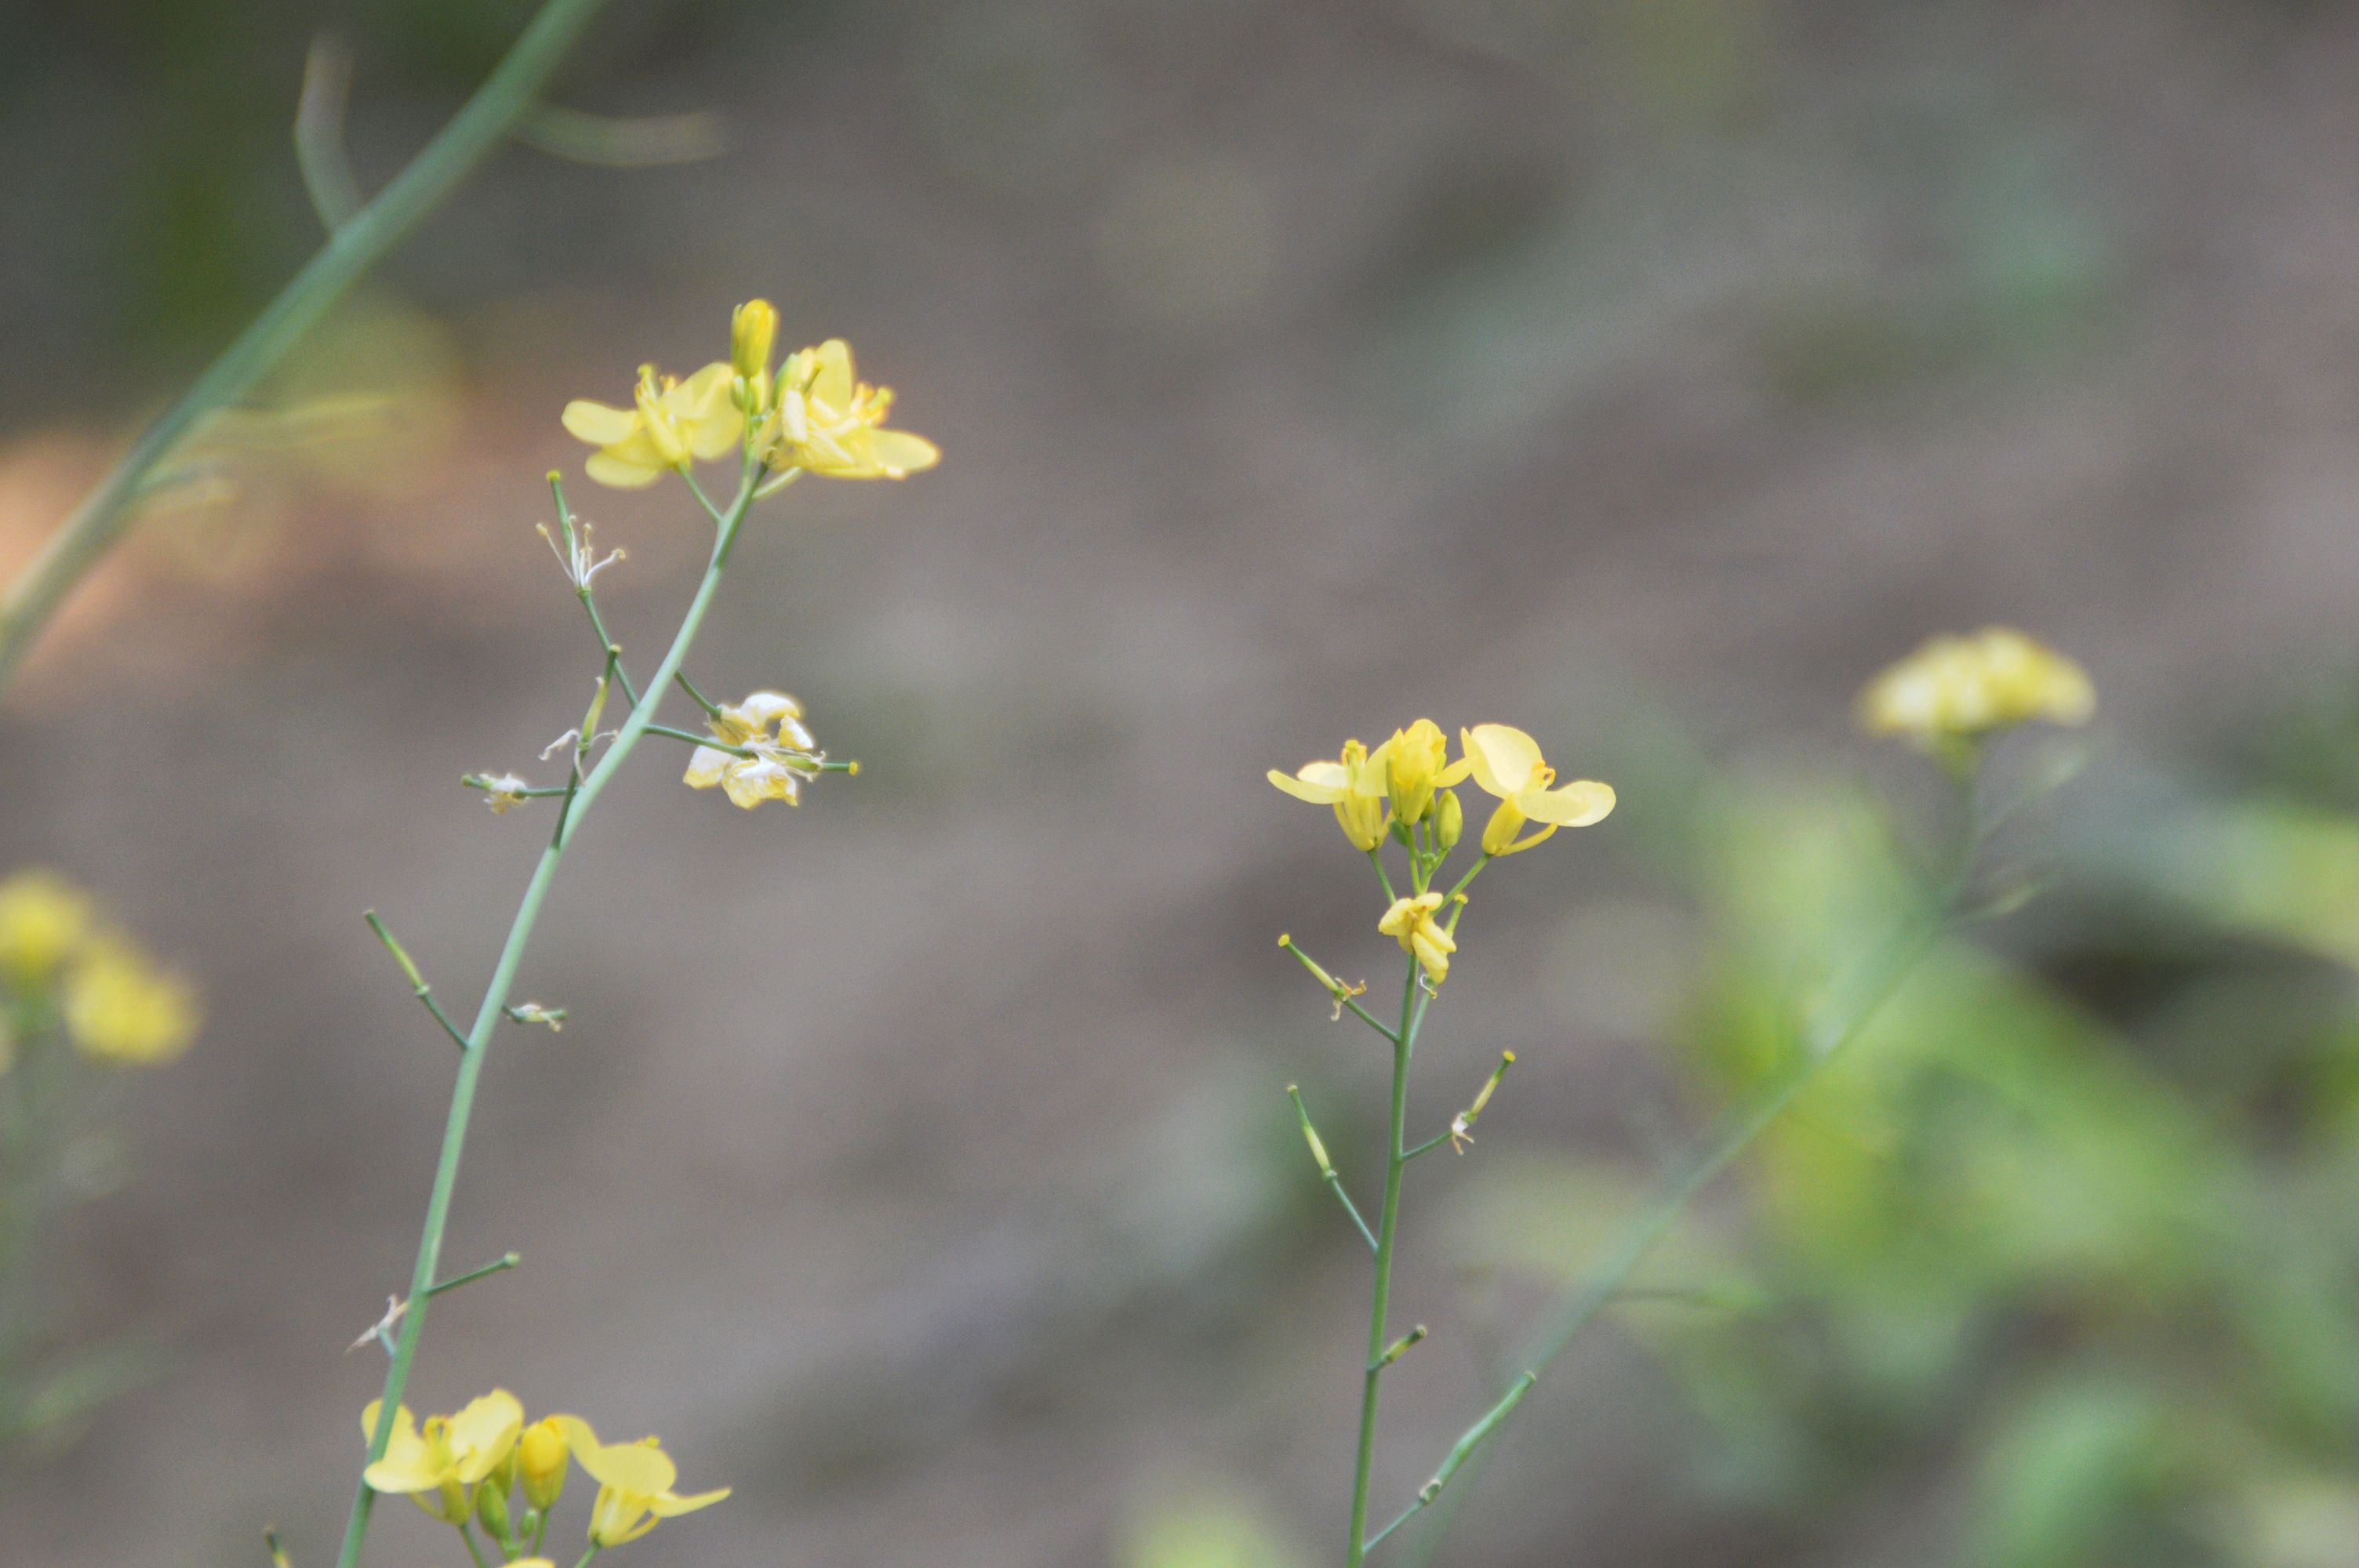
[[492, 1506], [1448, 819]]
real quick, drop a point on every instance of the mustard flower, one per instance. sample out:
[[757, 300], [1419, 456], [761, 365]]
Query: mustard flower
[[1417, 762], [670, 422], [826, 423], [780, 762], [634, 1481], [1411, 923], [1956, 691], [1507, 764], [43, 920], [1355, 784], [437, 1463], [120, 1008], [753, 333]]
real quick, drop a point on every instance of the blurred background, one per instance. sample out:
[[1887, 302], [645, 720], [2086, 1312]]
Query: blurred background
[[1644, 373]]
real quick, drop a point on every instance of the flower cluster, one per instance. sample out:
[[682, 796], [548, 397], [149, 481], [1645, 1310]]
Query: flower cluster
[[486, 1464], [763, 752], [64, 967], [811, 415], [1953, 692], [1405, 790]]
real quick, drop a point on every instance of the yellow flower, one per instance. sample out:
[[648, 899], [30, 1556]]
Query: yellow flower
[[1354, 784], [437, 1463], [1507, 764], [1960, 689], [779, 764], [634, 1481], [540, 1462], [828, 424], [670, 422], [1410, 921], [1417, 762], [121, 1008], [43, 919]]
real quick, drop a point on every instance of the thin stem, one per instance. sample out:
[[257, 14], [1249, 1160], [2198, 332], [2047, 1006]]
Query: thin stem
[[471, 1061], [1387, 1229], [694, 738], [106, 511], [1460, 1452], [613, 649], [473, 1550], [1376, 858], [1326, 1172], [711, 709], [1428, 1146], [497, 1266], [584, 1561]]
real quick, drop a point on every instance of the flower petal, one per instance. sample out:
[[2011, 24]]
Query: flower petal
[[832, 385], [897, 453], [598, 424], [1577, 805], [617, 474], [1502, 758], [1321, 784], [705, 767], [670, 1506]]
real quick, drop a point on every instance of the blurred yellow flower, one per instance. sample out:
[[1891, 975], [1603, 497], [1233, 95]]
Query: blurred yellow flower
[[779, 764], [43, 919], [634, 1482], [436, 1464], [828, 424], [541, 1455], [121, 1008], [1507, 764], [1355, 784], [670, 422], [1960, 689], [1417, 762], [1410, 921]]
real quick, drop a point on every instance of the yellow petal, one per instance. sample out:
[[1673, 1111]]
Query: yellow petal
[[705, 767], [1321, 784], [1502, 758], [1577, 805], [404, 1423], [483, 1433], [897, 453], [623, 1466], [750, 781], [615, 475], [598, 424], [670, 1506], [1455, 773], [406, 1472], [712, 423], [832, 385]]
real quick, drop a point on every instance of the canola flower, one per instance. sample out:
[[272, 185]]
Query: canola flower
[[121, 1008], [1506, 762], [635, 1484], [670, 424], [438, 1465], [1355, 784], [60, 959], [766, 751], [43, 920], [824, 421], [1954, 691], [1411, 922]]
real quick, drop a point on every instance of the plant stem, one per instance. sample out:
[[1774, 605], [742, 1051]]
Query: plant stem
[[1388, 1226], [471, 1061], [106, 511]]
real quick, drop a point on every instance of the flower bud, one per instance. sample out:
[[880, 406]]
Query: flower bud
[[492, 1504], [541, 1461], [753, 333], [1448, 819]]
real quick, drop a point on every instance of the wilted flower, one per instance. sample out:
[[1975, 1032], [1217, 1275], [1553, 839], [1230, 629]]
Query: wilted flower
[[1410, 921], [1355, 784], [1507, 764], [121, 1008], [634, 1482], [826, 423], [1960, 689], [670, 422], [437, 1463], [43, 919], [778, 764]]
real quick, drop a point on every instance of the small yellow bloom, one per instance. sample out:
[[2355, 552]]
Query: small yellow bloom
[[634, 1482], [436, 1464], [121, 1008], [1960, 689], [540, 1462], [1410, 921], [779, 764], [670, 422], [1354, 784], [1417, 762], [43, 919], [828, 424], [1507, 764]]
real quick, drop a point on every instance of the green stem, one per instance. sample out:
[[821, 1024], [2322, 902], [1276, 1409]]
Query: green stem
[[474, 1551], [471, 1061], [100, 521], [1387, 1228]]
